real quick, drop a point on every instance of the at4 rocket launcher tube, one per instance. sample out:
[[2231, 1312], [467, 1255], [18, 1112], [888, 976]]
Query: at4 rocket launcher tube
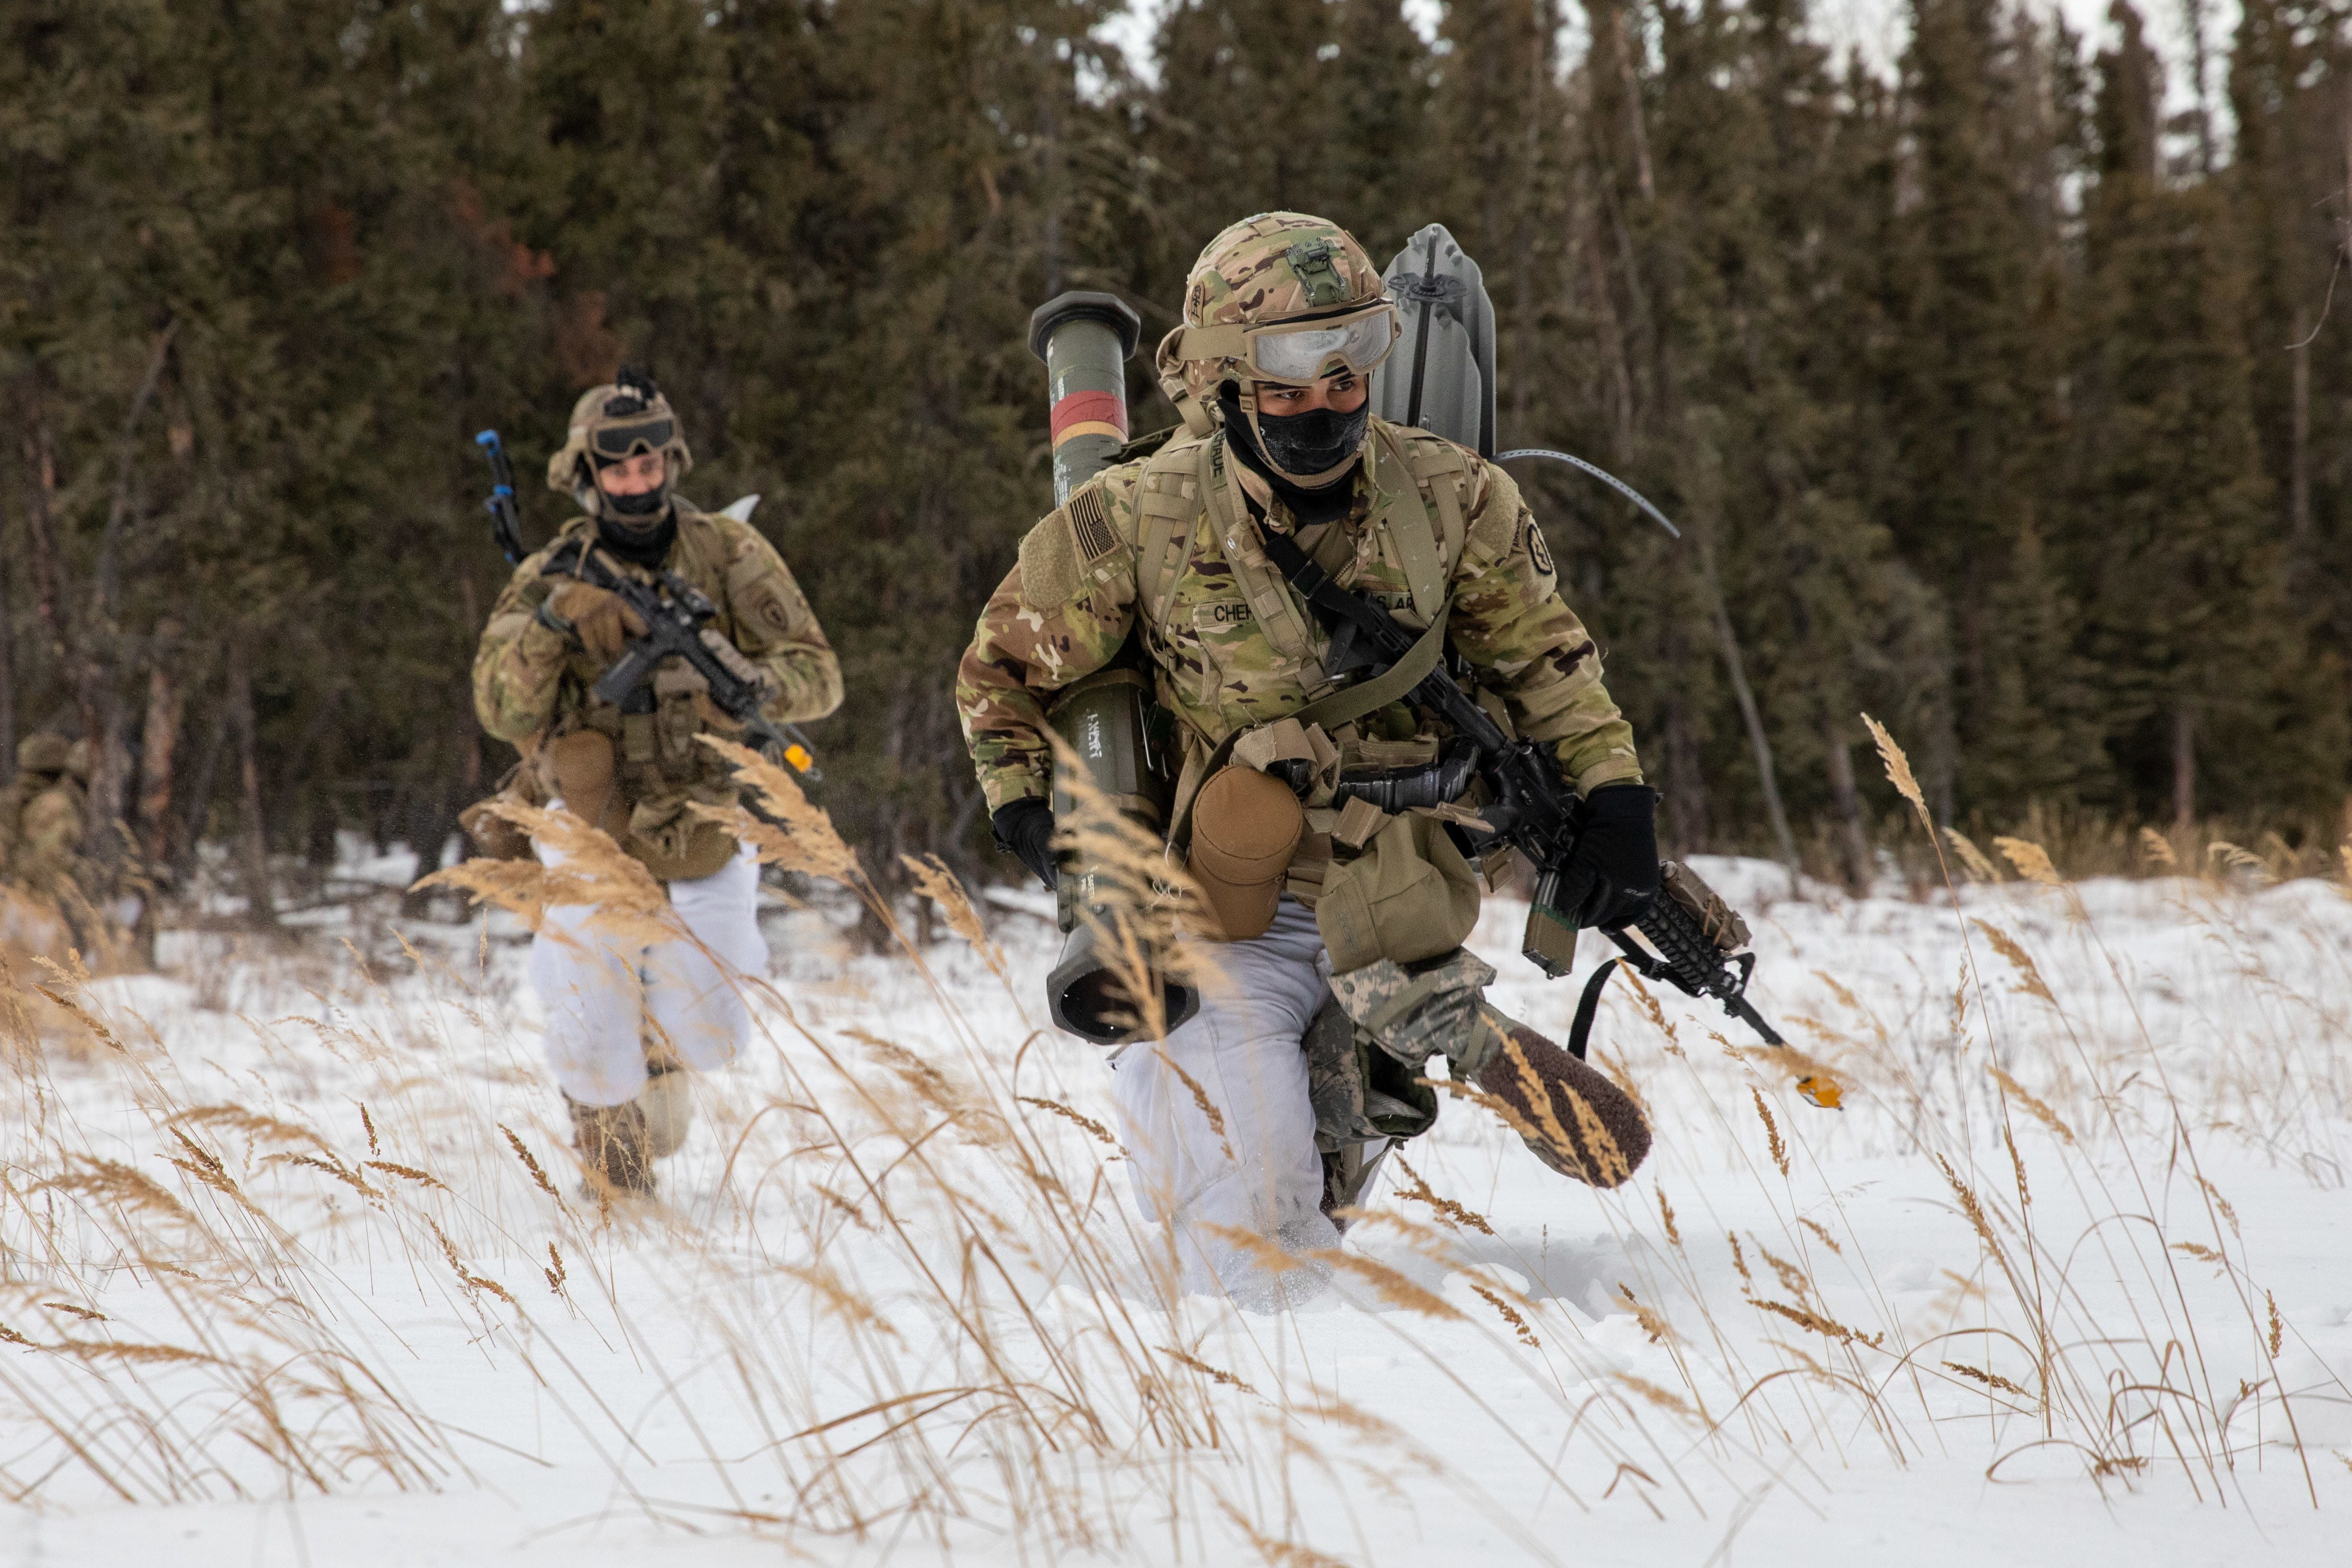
[[1085, 340]]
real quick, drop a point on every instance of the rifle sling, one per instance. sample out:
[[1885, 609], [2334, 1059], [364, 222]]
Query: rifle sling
[[1393, 684], [1350, 702], [1587, 1005]]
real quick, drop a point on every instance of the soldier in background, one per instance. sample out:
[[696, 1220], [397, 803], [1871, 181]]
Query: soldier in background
[[1337, 932], [44, 819], [610, 1003]]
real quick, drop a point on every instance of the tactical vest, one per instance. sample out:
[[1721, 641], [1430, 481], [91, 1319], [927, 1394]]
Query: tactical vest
[[21, 862], [656, 768], [1422, 495], [1184, 482], [1419, 523]]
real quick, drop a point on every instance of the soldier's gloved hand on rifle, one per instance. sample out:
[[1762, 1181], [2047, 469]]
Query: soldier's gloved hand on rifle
[[1613, 874], [1025, 830], [597, 617]]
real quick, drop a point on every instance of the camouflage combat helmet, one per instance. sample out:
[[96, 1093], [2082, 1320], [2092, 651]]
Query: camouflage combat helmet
[[623, 418], [1284, 298], [44, 754]]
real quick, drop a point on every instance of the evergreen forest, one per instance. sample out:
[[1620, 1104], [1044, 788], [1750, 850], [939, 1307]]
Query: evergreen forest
[[2003, 392]]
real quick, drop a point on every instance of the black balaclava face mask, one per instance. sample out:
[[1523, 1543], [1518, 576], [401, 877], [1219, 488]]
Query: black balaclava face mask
[[1325, 504], [1310, 443], [639, 529]]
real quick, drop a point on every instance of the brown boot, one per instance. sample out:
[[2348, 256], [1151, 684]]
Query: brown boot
[[667, 1098], [614, 1147], [1603, 1145]]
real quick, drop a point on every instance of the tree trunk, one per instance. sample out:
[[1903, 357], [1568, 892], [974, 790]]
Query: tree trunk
[[41, 526], [252, 841], [8, 661], [199, 794], [159, 737], [1685, 780], [159, 740], [1632, 83], [1853, 839], [2184, 769], [1768, 777], [2299, 458]]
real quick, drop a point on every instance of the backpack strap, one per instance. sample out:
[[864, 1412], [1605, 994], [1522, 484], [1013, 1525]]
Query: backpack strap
[[1167, 506], [1442, 470], [1409, 529], [1278, 613]]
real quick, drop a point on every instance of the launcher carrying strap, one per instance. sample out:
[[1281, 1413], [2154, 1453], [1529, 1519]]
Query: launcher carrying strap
[[1588, 1003]]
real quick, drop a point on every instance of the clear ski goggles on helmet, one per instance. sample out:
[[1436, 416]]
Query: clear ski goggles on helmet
[[614, 442], [1301, 352]]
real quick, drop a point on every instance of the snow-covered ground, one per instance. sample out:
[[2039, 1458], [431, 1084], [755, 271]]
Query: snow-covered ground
[[280, 1284]]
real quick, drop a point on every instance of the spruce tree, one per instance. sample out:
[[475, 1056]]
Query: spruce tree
[[2206, 668]]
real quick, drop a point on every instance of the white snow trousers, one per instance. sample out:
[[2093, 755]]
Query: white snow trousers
[[598, 990], [1262, 1175]]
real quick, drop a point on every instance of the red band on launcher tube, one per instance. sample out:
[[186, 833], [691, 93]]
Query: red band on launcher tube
[[1089, 414]]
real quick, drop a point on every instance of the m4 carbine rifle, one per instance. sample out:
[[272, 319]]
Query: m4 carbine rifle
[[677, 617], [1536, 812]]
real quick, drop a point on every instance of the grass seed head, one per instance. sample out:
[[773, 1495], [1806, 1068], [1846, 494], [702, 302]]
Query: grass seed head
[[2032, 861], [1989, 1379], [1898, 771], [1979, 868], [1771, 1132]]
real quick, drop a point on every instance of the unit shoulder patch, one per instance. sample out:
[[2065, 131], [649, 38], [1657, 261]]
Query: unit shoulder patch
[[1537, 551]]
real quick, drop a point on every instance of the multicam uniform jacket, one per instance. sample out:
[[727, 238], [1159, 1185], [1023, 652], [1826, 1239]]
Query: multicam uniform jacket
[[533, 685], [1235, 648], [42, 821]]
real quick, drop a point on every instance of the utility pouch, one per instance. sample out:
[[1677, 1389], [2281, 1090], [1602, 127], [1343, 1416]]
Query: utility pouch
[[676, 846], [638, 745], [1408, 897], [1361, 1092], [581, 766], [1300, 756], [677, 717], [1411, 1012]]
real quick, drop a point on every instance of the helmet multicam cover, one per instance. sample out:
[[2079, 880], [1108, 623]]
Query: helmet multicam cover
[[612, 422], [44, 753], [1269, 270]]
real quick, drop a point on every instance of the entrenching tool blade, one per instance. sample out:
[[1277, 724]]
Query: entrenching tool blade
[[1441, 376]]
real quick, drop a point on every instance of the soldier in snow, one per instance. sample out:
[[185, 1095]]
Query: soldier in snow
[[1339, 930], [621, 1017], [44, 817]]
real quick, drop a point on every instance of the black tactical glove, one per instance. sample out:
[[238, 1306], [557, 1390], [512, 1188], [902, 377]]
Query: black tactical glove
[[1025, 830], [1612, 875]]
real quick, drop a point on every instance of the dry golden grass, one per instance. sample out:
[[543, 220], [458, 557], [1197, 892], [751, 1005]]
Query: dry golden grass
[[943, 1318]]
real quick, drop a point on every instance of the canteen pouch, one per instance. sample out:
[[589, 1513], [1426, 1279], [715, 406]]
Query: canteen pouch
[[1246, 826], [580, 768]]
